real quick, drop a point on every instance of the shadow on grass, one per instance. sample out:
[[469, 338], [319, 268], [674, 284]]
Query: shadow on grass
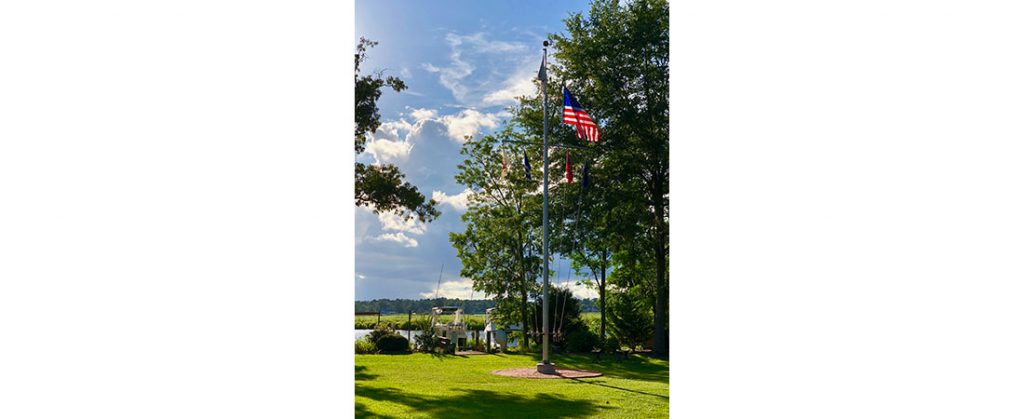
[[632, 368], [362, 375], [593, 383], [481, 403]]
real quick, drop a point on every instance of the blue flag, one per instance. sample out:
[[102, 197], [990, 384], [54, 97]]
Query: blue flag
[[526, 162]]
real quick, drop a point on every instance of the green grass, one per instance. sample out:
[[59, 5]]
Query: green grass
[[421, 385], [474, 321]]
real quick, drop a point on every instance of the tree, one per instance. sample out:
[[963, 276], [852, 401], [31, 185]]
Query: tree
[[381, 186], [563, 313], [583, 232], [630, 316], [618, 62], [500, 248]]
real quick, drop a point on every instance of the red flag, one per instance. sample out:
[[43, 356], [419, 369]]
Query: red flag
[[568, 167]]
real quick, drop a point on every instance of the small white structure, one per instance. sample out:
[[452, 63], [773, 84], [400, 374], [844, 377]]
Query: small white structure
[[500, 334], [455, 331]]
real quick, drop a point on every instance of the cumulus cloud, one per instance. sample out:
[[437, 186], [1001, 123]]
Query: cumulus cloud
[[394, 222], [422, 114], [459, 201], [384, 150], [462, 288], [392, 142], [516, 86], [399, 238], [468, 123]]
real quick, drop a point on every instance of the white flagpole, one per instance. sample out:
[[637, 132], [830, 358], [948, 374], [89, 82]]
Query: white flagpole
[[545, 367]]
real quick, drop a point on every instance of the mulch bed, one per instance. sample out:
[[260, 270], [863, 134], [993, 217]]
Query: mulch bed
[[559, 373]]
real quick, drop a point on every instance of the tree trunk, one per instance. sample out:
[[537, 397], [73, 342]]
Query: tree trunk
[[525, 318], [661, 283], [600, 290]]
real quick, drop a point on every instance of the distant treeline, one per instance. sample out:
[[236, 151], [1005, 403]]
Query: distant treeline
[[423, 306]]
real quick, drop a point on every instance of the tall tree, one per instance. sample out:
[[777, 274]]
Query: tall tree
[[616, 61], [499, 250], [382, 186]]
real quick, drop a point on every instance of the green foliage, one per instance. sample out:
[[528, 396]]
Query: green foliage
[[563, 314], [617, 66], [379, 332], [500, 248], [630, 318], [364, 346], [392, 343], [611, 345], [427, 342], [381, 187], [581, 340]]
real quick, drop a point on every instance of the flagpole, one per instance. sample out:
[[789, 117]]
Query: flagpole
[[545, 367]]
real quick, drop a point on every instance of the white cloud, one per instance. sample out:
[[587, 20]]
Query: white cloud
[[469, 51], [581, 290], [388, 150], [399, 238], [459, 201], [423, 113], [516, 86], [360, 276], [451, 76], [468, 123], [462, 288], [391, 142], [394, 222]]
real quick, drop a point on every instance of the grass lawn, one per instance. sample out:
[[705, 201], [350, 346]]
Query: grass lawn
[[422, 385]]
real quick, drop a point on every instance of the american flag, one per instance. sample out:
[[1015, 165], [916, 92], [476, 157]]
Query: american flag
[[575, 115]]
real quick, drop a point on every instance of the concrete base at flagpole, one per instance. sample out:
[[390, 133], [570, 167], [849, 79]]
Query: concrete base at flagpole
[[546, 368]]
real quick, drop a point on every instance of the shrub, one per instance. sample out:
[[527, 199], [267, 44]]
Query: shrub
[[631, 318], [581, 340], [379, 332], [611, 345], [364, 346], [427, 342], [392, 343], [563, 314]]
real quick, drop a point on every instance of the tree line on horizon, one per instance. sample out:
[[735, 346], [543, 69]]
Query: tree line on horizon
[[404, 305]]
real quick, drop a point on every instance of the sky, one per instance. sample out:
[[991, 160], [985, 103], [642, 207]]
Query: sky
[[464, 62]]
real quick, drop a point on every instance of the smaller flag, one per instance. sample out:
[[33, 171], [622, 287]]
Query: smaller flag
[[526, 162], [568, 167], [542, 74], [586, 174], [504, 164]]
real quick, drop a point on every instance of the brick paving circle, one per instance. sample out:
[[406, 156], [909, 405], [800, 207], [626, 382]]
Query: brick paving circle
[[559, 373]]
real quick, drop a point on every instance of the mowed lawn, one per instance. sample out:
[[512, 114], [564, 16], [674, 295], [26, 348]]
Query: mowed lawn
[[422, 385]]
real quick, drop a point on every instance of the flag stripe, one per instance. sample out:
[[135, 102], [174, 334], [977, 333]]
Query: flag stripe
[[573, 114]]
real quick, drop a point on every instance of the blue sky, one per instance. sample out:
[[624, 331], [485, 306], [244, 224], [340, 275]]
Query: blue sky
[[463, 62]]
